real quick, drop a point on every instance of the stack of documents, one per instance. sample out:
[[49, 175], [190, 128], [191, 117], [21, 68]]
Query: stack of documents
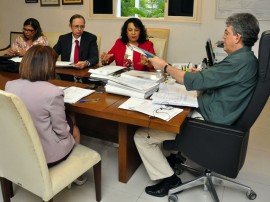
[[105, 72], [133, 87], [175, 94], [73, 94], [153, 110], [155, 76]]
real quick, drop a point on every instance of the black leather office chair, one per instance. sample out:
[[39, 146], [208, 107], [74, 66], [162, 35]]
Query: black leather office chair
[[221, 148]]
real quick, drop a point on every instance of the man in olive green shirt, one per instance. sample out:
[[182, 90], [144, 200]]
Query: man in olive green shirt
[[226, 89]]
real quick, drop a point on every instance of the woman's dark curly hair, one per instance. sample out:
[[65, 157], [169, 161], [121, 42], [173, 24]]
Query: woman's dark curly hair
[[138, 24], [36, 26]]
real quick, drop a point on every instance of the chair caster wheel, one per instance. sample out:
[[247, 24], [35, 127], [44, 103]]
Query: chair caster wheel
[[178, 170], [251, 195], [173, 198]]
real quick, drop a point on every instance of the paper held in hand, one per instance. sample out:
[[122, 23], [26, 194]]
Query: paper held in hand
[[140, 50]]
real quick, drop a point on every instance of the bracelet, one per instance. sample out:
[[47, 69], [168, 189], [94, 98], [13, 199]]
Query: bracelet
[[165, 68]]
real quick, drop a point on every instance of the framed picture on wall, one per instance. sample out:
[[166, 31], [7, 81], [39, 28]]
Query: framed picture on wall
[[71, 2], [49, 2], [31, 1]]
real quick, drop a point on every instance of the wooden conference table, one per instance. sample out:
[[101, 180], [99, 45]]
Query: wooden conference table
[[107, 108]]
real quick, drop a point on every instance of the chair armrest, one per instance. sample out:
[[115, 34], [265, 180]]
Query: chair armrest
[[2, 49], [201, 127]]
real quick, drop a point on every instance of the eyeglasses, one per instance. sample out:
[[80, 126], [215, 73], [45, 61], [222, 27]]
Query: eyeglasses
[[78, 26], [28, 30]]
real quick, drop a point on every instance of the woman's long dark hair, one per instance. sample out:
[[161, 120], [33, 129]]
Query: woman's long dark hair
[[138, 24]]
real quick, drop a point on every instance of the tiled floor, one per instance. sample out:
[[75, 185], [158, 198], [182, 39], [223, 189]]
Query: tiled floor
[[255, 173]]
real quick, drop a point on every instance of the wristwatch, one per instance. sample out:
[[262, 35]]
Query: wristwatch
[[165, 68], [87, 62]]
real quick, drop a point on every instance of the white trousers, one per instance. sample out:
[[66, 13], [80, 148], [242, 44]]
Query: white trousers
[[151, 152], [149, 144]]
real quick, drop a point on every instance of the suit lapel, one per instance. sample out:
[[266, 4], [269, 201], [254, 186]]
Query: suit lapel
[[69, 44]]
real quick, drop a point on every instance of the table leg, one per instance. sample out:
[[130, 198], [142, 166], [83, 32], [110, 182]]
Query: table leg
[[128, 156]]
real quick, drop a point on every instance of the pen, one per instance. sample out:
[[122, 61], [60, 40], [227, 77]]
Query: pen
[[90, 100], [187, 68]]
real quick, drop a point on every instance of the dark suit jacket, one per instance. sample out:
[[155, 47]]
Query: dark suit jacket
[[88, 47]]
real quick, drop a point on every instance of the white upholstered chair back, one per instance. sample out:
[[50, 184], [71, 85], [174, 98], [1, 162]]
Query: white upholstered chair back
[[52, 37], [98, 44], [159, 46], [21, 156], [22, 160]]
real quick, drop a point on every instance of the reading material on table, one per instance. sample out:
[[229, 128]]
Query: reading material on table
[[147, 107], [16, 59], [73, 94], [106, 70], [104, 73], [64, 64], [175, 94]]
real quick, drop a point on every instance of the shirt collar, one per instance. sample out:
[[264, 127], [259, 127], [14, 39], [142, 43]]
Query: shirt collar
[[73, 39]]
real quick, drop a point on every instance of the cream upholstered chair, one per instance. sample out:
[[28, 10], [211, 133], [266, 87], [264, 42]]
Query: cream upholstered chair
[[23, 161], [162, 33], [159, 33], [52, 37], [98, 43], [159, 47], [12, 37]]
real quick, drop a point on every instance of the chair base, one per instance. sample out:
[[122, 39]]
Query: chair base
[[208, 180]]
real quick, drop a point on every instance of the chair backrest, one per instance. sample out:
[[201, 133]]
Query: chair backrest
[[22, 159], [13, 36], [262, 91], [52, 37], [98, 44], [160, 47], [159, 33]]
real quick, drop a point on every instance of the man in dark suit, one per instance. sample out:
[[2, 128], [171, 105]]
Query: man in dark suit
[[87, 42]]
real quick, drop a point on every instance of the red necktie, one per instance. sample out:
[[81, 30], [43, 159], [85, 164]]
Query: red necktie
[[76, 52]]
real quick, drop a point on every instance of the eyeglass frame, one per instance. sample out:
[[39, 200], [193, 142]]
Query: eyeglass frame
[[78, 26], [28, 30]]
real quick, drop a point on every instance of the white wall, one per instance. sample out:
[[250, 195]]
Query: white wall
[[186, 43]]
